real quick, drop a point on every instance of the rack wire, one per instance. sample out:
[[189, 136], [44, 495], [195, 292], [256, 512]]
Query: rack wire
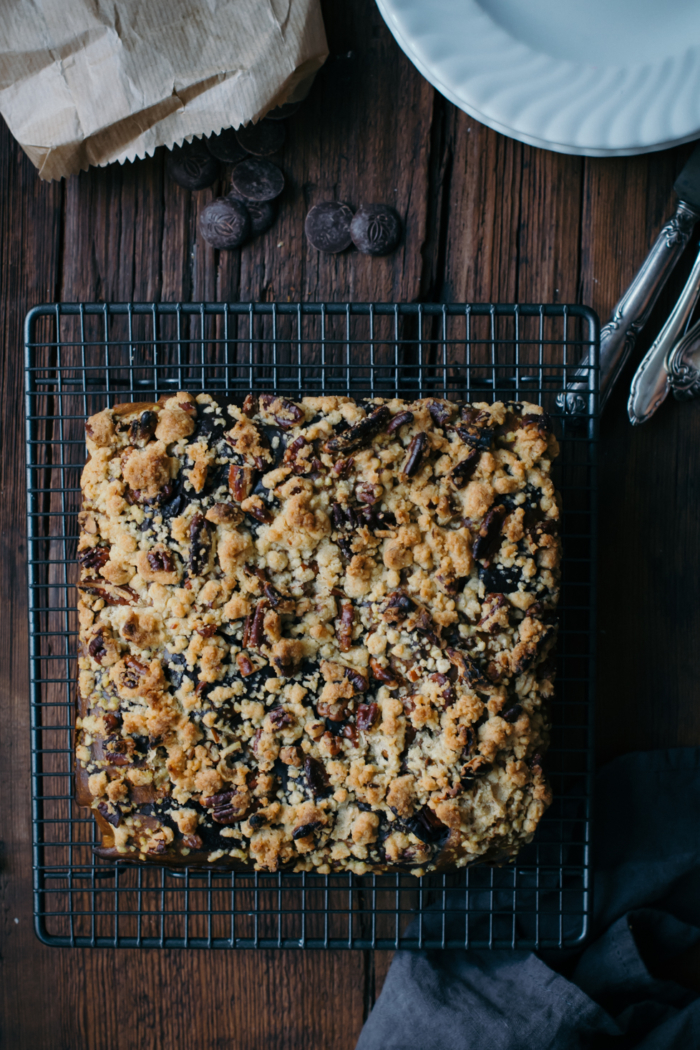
[[82, 357]]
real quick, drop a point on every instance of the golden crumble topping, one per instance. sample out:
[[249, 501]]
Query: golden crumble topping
[[315, 635]]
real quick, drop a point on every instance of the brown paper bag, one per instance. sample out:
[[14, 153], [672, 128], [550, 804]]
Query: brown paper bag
[[95, 81]]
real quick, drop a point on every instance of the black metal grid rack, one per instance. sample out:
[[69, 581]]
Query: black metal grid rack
[[81, 357]]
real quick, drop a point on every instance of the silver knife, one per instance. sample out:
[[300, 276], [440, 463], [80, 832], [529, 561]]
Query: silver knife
[[618, 336]]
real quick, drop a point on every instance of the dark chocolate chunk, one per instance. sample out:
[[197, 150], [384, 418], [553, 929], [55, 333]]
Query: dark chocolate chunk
[[262, 139], [488, 539], [427, 826], [200, 545], [226, 147], [192, 165], [262, 213], [225, 223], [375, 229], [327, 226], [255, 179], [500, 578], [287, 109], [306, 829]]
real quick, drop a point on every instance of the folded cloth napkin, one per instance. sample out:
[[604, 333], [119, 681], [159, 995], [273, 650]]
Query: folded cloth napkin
[[646, 890]]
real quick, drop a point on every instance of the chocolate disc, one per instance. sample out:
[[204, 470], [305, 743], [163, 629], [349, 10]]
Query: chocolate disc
[[257, 180], [224, 223], [263, 138], [192, 165], [288, 109], [262, 213], [375, 229], [225, 147], [327, 226]]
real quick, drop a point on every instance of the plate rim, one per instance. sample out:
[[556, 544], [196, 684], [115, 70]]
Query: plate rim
[[504, 129]]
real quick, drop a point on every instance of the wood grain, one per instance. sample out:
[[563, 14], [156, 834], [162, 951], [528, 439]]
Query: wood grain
[[485, 218]]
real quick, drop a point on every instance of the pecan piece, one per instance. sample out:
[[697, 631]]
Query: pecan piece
[[466, 667], [200, 545], [440, 412], [331, 742], [228, 807], [97, 648], [345, 626], [460, 475], [369, 494], [160, 560], [291, 453], [112, 595], [93, 557], [245, 666], [333, 712], [367, 714], [359, 434], [250, 405], [112, 721], [287, 414], [488, 539], [316, 778], [280, 718], [342, 467], [192, 842], [399, 420], [257, 509], [382, 674], [253, 629], [349, 731], [416, 449], [241, 481], [359, 682]]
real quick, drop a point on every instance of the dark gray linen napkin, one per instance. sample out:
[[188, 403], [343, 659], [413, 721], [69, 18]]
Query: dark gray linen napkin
[[646, 889]]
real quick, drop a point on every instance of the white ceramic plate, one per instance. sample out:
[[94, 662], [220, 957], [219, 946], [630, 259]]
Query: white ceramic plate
[[595, 77]]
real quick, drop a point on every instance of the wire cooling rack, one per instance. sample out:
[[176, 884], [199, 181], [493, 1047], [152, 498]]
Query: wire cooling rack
[[82, 357]]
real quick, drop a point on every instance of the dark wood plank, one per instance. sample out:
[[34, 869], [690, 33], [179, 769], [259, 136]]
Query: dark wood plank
[[30, 216], [650, 533], [128, 233]]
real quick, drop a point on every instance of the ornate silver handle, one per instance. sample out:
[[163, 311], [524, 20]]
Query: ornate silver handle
[[650, 384], [682, 368], [618, 336]]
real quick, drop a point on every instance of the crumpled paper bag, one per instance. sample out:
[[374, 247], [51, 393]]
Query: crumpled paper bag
[[95, 81]]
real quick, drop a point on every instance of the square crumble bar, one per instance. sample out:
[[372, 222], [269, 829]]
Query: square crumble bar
[[316, 635]]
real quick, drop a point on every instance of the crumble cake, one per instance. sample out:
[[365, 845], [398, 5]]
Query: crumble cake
[[316, 635]]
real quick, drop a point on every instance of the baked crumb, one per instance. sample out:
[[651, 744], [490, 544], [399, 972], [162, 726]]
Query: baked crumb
[[316, 635]]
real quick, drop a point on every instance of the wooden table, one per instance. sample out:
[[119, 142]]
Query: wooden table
[[486, 219]]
